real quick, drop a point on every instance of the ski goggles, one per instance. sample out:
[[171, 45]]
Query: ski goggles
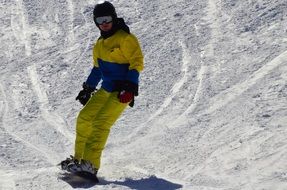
[[104, 19]]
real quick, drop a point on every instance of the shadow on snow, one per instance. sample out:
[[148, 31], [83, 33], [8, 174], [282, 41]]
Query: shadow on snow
[[150, 183]]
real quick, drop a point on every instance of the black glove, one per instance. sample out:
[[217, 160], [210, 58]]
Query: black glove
[[85, 94]]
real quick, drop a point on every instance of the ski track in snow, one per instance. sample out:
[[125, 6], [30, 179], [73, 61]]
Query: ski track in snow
[[3, 104], [5, 110], [21, 29], [227, 96], [175, 90], [71, 36], [88, 43], [178, 84], [54, 120], [196, 98], [207, 52], [77, 60]]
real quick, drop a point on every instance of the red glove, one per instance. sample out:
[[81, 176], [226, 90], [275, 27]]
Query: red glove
[[126, 97]]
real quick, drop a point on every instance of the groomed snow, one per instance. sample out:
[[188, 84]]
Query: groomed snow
[[212, 109]]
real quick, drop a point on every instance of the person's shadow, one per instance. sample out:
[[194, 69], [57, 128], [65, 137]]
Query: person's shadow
[[150, 183]]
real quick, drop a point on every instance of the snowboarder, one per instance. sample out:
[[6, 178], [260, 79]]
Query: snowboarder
[[118, 60]]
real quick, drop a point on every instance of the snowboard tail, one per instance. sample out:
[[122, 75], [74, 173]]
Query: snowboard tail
[[87, 175]]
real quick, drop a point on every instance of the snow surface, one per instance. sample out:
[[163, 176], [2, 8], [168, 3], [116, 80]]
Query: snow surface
[[212, 110]]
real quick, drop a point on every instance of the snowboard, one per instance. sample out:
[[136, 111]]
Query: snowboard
[[81, 174], [79, 179], [88, 176]]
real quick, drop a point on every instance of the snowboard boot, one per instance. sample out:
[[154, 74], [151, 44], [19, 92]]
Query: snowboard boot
[[82, 166], [84, 169], [64, 164]]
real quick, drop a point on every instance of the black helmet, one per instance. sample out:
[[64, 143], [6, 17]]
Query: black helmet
[[105, 9]]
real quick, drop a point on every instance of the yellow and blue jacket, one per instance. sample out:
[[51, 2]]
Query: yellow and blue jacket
[[116, 58]]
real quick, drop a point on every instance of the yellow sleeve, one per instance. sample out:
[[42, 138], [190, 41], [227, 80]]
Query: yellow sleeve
[[95, 56], [133, 53]]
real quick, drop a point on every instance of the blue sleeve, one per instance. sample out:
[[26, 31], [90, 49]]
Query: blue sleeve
[[133, 76], [94, 77]]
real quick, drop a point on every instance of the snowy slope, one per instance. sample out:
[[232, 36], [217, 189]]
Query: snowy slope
[[212, 110]]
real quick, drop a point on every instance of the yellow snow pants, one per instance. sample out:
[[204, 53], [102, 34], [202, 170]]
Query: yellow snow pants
[[94, 123]]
